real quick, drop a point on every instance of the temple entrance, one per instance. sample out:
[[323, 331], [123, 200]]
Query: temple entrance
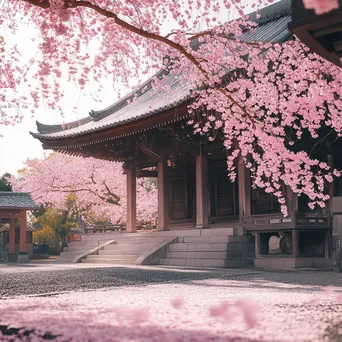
[[224, 195], [178, 205], [183, 197]]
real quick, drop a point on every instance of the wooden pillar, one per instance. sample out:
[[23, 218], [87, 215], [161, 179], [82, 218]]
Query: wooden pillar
[[295, 243], [292, 201], [163, 195], [330, 162], [22, 257], [202, 214], [257, 245], [244, 182], [12, 237], [131, 171]]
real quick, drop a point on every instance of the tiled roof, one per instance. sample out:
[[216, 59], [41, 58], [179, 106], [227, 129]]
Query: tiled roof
[[273, 27], [16, 200]]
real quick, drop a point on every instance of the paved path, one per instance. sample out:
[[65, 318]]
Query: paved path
[[156, 304]]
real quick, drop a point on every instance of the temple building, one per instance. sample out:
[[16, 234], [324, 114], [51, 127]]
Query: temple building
[[150, 135]]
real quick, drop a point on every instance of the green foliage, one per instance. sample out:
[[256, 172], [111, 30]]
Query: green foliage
[[47, 235], [4, 184], [56, 225]]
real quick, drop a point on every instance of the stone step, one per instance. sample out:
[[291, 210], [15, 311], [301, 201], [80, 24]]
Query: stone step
[[108, 261], [113, 257], [203, 262], [205, 239], [126, 246], [120, 252], [76, 249], [138, 241], [206, 255], [198, 247]]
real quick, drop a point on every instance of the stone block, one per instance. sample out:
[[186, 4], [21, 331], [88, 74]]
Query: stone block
[[164, 261], [218, 247], [202, 247], [290, 263], [178, 247], [176, 254], [322, 263], [278, 263], [248, 254], [218, 239], [177, 262], [190, 254], [336, 204], [262, 262], [233, 254], [233, 263], [197, 239], [241, 238], [191, 246], [304, 263], [217, 231]]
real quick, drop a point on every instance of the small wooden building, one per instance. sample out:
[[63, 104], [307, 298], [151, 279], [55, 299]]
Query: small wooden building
[[13, 206], [151, 136]]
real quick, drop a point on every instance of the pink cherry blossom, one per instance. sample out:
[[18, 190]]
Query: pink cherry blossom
[[321, 6]]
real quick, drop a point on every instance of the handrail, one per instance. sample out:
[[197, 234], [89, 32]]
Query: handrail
[[92, 251], [153, 254]]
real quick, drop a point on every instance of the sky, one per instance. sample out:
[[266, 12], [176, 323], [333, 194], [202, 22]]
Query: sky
[[16, 143]]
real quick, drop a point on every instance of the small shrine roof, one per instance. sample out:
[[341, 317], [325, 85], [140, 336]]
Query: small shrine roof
[[17, 200], [273, 27]]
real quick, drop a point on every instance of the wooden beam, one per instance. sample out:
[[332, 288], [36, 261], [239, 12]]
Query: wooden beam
[[10, 213], [163, 195], [131, 198], [147, 173]]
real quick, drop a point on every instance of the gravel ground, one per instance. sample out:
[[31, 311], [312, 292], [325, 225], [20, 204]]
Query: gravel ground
[[82, 303]]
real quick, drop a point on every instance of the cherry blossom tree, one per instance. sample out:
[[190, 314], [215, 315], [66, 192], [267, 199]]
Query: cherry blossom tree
[[263, 96], [99, 186]]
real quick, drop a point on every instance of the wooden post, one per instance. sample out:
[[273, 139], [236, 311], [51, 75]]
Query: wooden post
[[330, 162], [12, 237], [327, 244], [244, 182], [131, 171], [23, 257], [292, 200], [202, 215], [295, 243], [163, 196], [257, 245]]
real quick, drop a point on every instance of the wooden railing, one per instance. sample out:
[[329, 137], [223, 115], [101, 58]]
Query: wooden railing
[[313, 219], [278, 221], [103, 228], [266, 221]]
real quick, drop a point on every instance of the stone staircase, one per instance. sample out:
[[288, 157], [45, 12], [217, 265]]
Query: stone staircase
[[125, 251], [87, 243], [219, 250], [214, 247]]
